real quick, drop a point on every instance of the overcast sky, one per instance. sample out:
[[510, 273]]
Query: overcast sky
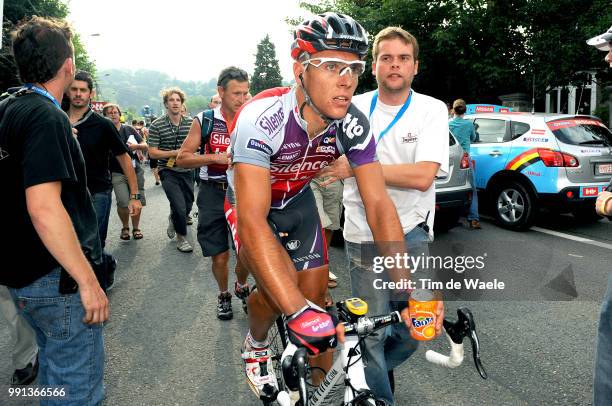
[[188, 39]]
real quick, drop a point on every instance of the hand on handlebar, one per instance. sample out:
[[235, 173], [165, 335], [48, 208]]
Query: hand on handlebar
[[439, 317]]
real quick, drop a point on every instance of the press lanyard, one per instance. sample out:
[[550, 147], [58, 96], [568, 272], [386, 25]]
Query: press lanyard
[[395, 119], [178, 128], [42, 92]]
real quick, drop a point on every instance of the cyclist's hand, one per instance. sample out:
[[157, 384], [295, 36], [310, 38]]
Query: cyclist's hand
[[313, 329]]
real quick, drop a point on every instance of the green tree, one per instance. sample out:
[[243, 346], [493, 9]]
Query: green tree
[[480, 49], [197, 103], [267, 72], [16, 10]]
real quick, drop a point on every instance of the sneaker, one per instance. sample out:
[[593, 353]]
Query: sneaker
[[260, 372], [189, 220], [170, 230], [110, 282], [184, 246], [475, 224], [25, 376], [224, 306], [242, 293], [332, 281], [110, 278]]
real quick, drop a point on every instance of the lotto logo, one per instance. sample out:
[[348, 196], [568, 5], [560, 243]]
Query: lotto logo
[[351, 126]]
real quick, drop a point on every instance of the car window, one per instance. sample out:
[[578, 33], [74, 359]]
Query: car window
[[451, 139], [518, 129], [580, 131], [490, 130]]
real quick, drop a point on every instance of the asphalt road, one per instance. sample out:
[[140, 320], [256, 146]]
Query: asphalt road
[[164, 345]]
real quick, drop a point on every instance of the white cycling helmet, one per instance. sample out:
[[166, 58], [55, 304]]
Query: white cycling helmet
[[603, 42]]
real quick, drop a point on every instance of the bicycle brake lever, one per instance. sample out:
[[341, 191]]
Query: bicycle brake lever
[[476, 355], [466, 327]]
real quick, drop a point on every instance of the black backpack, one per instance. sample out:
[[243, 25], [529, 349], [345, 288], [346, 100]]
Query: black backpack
[[208, 120]]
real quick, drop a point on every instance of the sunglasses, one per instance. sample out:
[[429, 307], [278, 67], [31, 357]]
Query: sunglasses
[[337, 67]]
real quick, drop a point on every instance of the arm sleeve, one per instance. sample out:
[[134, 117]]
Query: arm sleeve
[[249, 144], [355, 138], [115, 144], [433, 139], [154, 136], [47, 154]]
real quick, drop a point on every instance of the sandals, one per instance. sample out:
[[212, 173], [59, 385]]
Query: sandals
[[125, 233], [137, 234]]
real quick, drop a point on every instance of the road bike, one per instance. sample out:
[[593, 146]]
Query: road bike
[[290, 363]]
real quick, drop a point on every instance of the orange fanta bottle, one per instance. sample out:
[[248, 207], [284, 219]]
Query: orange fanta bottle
[[422, 307]]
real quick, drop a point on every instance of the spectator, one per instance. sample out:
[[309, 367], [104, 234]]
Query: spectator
[[602, 385], [166, 135], [465, 133], [413, 149], [213, 231], [215, 101], [124, 191], [23, 341], [329, 206], [50, 207], [99, 139]]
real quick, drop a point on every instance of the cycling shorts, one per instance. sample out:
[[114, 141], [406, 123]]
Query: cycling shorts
[[297, 227]]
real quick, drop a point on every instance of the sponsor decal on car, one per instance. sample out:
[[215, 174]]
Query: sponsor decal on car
[[524, 160]]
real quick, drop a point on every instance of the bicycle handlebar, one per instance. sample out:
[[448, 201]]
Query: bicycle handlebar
[[456, 331]]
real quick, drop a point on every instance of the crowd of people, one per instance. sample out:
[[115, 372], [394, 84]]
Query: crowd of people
[[313, 146]]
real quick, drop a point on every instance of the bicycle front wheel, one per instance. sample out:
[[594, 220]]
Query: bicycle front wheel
[[278, 343]]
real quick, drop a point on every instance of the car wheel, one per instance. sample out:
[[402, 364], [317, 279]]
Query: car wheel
[[513, 206], [586, 214]]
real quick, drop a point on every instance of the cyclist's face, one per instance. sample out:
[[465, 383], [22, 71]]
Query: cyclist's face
[[79, 93], [395, 66], [330, 92], [234, 95]]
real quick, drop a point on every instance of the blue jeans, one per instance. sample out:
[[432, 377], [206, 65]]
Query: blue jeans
[[473, 212], [71, 353], [394, 345], [102, 205], [602, 386]]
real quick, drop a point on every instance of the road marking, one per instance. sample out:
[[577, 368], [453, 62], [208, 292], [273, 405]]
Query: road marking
[[576, 256], [573, 237]]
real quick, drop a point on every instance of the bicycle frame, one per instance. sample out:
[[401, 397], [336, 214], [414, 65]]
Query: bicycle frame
[[355, 374]]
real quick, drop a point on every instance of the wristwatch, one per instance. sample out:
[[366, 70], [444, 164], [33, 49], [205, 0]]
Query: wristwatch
[[135, 196]]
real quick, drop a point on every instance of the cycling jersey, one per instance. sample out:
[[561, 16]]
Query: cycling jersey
[[217, 142], [268, 132]]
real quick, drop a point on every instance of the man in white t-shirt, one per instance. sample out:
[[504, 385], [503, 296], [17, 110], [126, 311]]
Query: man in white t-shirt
[[411, 132]]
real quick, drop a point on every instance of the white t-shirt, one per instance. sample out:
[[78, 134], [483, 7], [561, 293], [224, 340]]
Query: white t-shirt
[[421, 134]]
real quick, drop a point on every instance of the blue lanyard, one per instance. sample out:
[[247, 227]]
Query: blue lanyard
[[397, 116], [42, 92]]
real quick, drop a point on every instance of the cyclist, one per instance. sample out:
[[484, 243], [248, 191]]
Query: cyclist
[[280, 140]]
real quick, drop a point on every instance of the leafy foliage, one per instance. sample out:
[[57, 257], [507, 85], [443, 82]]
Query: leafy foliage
[[267, 72], [481, 49], [15, 11], [134, 89]]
